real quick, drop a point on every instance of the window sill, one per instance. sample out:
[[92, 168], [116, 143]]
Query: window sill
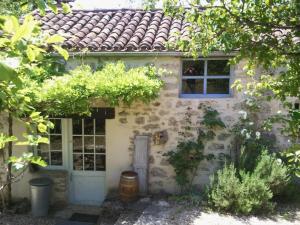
[[211, 96]]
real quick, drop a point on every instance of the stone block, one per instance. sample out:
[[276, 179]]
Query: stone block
[[158, 172], [140, 120]]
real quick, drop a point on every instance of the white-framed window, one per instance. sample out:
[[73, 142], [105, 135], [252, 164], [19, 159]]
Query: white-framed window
[[89, 152], [52, 153], [205, 78]]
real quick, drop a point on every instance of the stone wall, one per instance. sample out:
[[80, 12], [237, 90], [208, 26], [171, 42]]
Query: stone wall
[[167, 114]]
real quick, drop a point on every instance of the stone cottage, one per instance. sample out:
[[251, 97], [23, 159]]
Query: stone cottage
[[87, 155]]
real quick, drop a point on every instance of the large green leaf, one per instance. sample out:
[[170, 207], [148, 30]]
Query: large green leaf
[[64, 53], [25, 30], [9, 74], [55, 39]]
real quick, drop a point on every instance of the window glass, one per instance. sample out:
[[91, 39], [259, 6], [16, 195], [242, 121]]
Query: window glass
[[89, 145], [55, 142], [100, 162], [77, 126], [100, 144], [192, 86], [57, 126], [52, 152], [193, 68], [89, 126], [56, 158], [77, 144], [100, 126], [89, 161], [77, 161], [218, 67], [217, 86]]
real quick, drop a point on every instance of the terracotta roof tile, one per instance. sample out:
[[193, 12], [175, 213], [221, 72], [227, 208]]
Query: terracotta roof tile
[[115, 30]]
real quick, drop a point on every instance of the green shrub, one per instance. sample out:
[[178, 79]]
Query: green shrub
[[238, 193], [242, 192], [272, 171]]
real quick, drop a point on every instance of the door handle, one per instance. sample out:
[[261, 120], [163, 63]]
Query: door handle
[[71, 177]]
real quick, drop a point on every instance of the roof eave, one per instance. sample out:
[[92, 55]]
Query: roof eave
[[147, 53]]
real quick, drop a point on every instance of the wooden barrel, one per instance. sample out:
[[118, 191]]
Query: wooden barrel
[[129, 186]]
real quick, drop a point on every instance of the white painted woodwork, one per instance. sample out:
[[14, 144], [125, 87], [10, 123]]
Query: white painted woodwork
[[140, 161]]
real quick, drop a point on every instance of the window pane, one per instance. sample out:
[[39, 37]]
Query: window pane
[[89, 144], [77, 143], [192, 86], [77, 162], [89, 162], [218, 67], [100, 162], [77, 126], [55, 142], [57, 126], [100, 126], [45, 156], [56, 158], [193, 68], [100, 144], [217, 86], [89, 126]]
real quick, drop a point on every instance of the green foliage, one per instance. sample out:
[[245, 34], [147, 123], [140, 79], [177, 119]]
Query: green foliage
[[4, 139], [189, 152], [291, 156], [114, 84], [249, 27], [241, 193], [253, 191], [272, 171], [250, 134], [21, 7], [22, 162]]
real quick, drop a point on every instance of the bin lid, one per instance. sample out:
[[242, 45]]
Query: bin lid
[[42, 181]]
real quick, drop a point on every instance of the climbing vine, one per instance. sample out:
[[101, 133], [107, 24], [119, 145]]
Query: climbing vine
[[73, 93], [190, 148]]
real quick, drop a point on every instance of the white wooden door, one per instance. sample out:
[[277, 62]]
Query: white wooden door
[[87, 161]]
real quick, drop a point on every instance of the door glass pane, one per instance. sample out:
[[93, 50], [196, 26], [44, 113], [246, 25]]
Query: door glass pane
[[77, 162], [56, 158], [217, 86], [218, 67], [77, 144], [100, 162], [100, 144], [57, 126], [77, 126], [192, 86], [89, 144], [55, 142], [193, 68], [100, 126], [88, 126], [89, 161]]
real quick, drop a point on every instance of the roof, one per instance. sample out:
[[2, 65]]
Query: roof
[[124, 30]]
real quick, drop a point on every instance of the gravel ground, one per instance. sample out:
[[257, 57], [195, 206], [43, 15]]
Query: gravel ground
[[163, 212], [25, 220]]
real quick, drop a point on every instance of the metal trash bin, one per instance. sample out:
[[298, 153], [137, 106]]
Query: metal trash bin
[[40, 193]]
